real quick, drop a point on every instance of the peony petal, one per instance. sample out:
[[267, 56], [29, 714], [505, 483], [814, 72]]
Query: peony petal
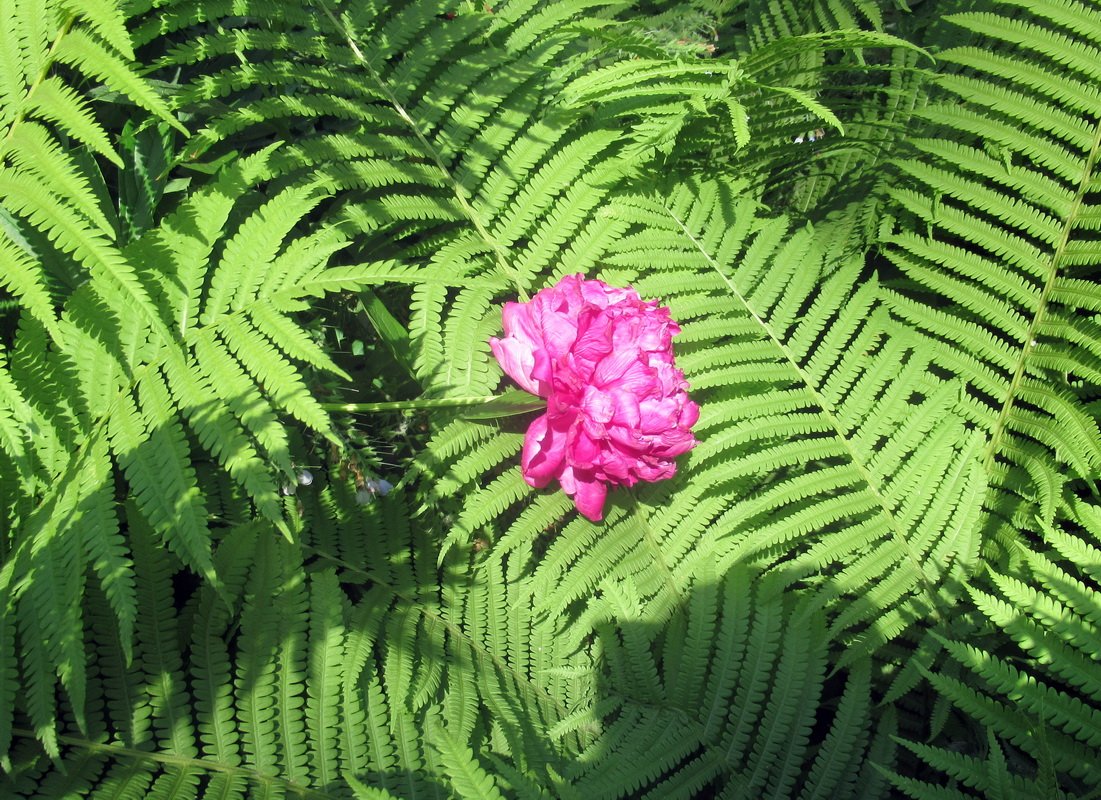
[[656, 416], [619, 465], [559, 334], [675, 442], [689, 415], [518, 361], [617, 406], [544, 451], [569, 486], [599, 294], [567, 296], [628, 440], [519, 324], [597, 405], [543, 369], [624, 369], [656, 472], [589, 497], [584, 451], [627, 411], [594, 338]]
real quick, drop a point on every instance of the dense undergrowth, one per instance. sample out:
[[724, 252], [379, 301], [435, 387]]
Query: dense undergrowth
[[251, 255]]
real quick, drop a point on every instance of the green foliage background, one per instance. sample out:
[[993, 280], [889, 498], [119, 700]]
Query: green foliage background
[[878, 575]]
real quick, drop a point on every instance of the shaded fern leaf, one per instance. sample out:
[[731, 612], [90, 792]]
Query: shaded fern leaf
[[1033, 684], [744, 724], [254, 736]]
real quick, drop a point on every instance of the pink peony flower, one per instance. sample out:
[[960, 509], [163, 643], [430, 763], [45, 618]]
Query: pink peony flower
[[618, 410]]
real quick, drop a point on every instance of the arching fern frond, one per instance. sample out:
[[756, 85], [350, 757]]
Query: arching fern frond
[[718, 700], [441, 137], [989, 776], [1001, 223], [48, 48], [214, 373], [771, 20], [704, 114]]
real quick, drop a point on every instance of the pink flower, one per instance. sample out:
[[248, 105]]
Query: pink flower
[[618, 410]]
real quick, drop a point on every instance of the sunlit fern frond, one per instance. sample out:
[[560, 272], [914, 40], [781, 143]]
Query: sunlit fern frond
[[52, 53], [435, 142], [999, 240]]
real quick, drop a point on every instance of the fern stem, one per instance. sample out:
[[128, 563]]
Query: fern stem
[[171, 759], [456, 189], [1057, 257], [419, 405]]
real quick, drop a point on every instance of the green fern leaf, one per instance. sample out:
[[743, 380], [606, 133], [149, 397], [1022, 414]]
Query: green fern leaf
[[251, 250], [469, 779], [33, 150], [104, 545], [834, 769], [57, 103], [9, 681], [85, 54], [161, 664], [1013, 185], [269, 369], [325, 680], [151, 447], [255, 681]]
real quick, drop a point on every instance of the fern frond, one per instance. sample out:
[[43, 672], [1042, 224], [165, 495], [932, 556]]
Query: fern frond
[[469, 779], [83, 52], [1037, 682], [211, 667], [34, 150], [250, 251], [153, 453], [15, 422], [161, 665], [324, 683], [997, 216], [988, 776], [775, 19]]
